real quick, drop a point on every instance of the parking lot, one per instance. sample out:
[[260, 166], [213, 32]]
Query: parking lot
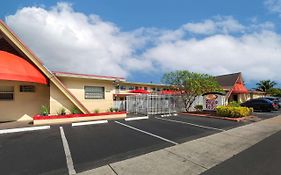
[[67, 149]]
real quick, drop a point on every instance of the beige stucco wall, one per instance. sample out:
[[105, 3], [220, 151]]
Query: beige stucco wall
[[25, 104], [252, 96], [58, 101], [243, 97], [76, 87]]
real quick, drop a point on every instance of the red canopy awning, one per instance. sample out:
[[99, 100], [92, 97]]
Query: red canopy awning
[[169, 92], [16, 68], [140, 91], [239, 88]]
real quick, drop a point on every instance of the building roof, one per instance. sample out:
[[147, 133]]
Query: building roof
[[228, 81], [88, 76], [143, 84]]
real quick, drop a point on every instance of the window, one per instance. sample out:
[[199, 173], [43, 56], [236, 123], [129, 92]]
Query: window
[[6, 92], [131, 88], [122, 88], [145, 88], [94, 92], [27, 88]]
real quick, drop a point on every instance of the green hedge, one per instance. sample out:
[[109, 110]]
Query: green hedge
[[234, 112], [198, 107]]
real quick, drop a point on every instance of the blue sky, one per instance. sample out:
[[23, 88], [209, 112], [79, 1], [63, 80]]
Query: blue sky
[[147, 38], [164, 14]]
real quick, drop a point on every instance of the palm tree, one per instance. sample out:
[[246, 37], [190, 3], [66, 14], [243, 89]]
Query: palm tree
[[265, 85]]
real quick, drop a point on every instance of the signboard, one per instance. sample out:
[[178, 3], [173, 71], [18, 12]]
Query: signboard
[[212, 100]]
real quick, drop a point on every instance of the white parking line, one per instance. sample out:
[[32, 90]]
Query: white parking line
[[14, 130], [136, 118], [89, 123], [148, 133], [69, 160], [187, 123]]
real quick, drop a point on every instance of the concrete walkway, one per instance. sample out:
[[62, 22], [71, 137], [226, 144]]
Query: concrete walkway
[[15, 124], [194, 157]]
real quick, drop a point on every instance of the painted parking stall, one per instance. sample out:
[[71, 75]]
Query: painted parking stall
[[96, 145], [208, 122], [175, 132], [32, 152], [77, 147]]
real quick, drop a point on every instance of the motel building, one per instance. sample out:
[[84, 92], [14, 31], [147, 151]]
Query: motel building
[[26, 85]]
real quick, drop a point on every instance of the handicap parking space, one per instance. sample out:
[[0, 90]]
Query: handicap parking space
[[96, 145], [33, 152]]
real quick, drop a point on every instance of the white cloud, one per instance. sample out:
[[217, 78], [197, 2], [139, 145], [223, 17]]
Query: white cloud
[[257, 55], [217, 25], [273, 5], [71, 41]]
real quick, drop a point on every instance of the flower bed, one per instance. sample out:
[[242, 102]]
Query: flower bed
[[54, 119]]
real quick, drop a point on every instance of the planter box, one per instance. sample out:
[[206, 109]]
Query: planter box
[[70, 118]]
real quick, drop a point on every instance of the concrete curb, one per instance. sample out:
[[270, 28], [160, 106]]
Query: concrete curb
[[196, 156]]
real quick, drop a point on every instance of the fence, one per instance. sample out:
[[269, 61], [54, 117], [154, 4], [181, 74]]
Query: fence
[[153, 104]]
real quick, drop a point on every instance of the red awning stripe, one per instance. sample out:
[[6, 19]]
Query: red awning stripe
[[140, 91], [170, 92], [16, 68]]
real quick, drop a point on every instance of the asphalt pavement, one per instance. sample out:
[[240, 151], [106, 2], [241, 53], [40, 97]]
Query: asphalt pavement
[[261, 159], [97, 145], [34, 152], [92, 146]]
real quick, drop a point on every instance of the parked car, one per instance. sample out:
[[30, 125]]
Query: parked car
[[274, 100], [261, 104]]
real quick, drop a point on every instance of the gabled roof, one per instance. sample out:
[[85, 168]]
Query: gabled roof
[[228, 81], [12, 38]]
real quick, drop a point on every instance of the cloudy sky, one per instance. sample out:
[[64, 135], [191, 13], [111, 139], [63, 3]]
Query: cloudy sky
[[142, 40]]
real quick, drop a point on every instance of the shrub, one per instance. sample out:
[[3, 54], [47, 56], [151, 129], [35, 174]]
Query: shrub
[[115, 109], [96, 111], [235, 112], [44, 110], [198, 107], [62, 111], [234, 104], [111, 109], [75, 110]]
